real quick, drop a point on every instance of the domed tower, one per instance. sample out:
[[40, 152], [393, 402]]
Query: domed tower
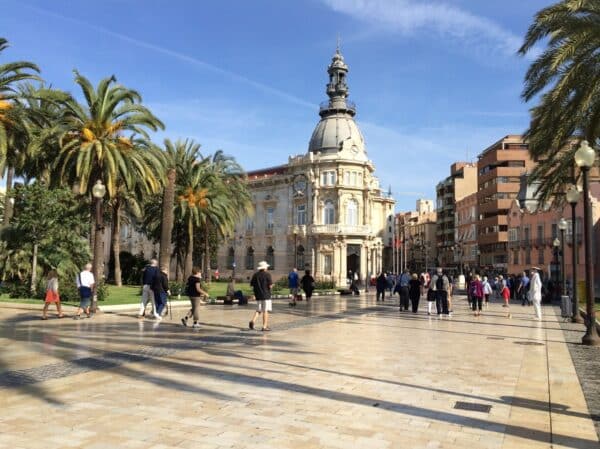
[[337, 131]]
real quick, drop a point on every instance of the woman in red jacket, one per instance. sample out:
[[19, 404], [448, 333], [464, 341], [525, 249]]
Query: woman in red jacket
[[476, 290]]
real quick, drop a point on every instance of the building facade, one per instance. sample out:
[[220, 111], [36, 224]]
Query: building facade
[[466, 251], [417, 237], [500, 167], [533, 234], [461, 183], [324, 210]]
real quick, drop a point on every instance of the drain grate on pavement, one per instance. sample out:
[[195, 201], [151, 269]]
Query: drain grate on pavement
[[528, 343], [472, 407]]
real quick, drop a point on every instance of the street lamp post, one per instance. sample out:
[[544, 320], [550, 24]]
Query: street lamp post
[[562, 226], [573, 198], [584, 158], [98, 192], [556, 244]]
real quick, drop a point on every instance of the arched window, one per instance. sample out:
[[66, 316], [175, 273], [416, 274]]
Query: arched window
[[329, 213], [270, 257], [352, 213], [230, 257], [300, 257], [250, 258]]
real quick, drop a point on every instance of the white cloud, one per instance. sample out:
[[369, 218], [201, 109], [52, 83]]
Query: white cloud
[[408, 17]]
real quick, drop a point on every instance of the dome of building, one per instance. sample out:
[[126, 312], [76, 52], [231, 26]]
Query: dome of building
[[337, 132]]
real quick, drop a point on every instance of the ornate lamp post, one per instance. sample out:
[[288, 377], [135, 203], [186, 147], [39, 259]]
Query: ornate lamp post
[[98, 192], [556, 244], [584, 158], [573, 198], [562, 226]]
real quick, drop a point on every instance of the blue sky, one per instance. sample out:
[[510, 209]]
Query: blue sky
[[434, 81]]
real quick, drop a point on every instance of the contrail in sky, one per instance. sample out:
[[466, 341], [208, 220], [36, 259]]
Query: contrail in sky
[[177, 55]]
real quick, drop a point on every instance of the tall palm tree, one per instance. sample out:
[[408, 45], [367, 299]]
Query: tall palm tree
[[12, 116], [230, 200], [564, 79], [94, 145]]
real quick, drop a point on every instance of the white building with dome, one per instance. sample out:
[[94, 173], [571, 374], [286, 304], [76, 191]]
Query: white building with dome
[[324, 210]]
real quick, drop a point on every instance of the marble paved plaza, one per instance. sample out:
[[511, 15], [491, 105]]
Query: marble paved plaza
[[336, 373]]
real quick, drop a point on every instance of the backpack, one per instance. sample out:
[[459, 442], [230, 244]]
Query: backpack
[[473, 289], [439, 283]]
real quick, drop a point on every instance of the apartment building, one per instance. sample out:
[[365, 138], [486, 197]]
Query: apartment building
[[499, 167], [461, 183], [417, 232], [465, 237]]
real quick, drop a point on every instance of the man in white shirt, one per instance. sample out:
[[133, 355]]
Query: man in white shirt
[[85, 285], [535, 292]]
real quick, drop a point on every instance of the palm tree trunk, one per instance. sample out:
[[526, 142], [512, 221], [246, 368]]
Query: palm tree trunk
[[34, 259], [116, 241], [8, 205], [164, 257], [206, 254], [189, 253]]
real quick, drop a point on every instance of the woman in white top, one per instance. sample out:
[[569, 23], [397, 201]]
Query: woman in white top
[[487, 291], [52, 296]]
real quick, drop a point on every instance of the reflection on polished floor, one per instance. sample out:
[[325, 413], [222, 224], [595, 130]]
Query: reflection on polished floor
[[335, 373]]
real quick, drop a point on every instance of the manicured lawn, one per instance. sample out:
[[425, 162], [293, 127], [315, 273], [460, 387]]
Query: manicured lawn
[[130, 294]]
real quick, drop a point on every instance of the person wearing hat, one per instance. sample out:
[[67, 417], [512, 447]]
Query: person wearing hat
[[535, 292], [261, 283]]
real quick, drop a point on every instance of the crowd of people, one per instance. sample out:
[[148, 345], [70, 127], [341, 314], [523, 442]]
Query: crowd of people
[[437, 287]]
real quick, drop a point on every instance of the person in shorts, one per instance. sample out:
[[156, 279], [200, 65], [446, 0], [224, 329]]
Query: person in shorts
[[261, 283], [85, 285], [196, 294], [294, 285]]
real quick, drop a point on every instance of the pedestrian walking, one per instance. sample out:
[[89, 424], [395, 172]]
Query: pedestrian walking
[[506, 296], [403, 282], [441, 286], [535, 292], [148, 276], [86, 285], [294, 285], [262, 283], [428, 288], [487, 291], [196, 293], [52, 296], [476, 289], [160, 288], [308, 284], [414, 292], [523, 289], [380, 286]]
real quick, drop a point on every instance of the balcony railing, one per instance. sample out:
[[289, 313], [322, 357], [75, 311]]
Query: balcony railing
[[326, 105], [297, 230], [339, 229]]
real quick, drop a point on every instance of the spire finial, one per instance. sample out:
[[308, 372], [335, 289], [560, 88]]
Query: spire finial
[[339, 41]]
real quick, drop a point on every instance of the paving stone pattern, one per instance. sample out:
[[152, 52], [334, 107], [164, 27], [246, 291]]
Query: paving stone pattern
[[587, 365], [335, 373]]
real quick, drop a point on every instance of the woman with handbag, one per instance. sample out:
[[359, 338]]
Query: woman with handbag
[[52, 296]]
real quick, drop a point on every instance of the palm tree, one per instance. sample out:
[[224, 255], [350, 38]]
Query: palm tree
[[94, 147], [565, 78], [230, 200], [12, 128]]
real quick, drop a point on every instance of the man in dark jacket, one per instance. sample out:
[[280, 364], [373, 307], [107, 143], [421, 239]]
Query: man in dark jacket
[[148, 276], [380, 286]]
